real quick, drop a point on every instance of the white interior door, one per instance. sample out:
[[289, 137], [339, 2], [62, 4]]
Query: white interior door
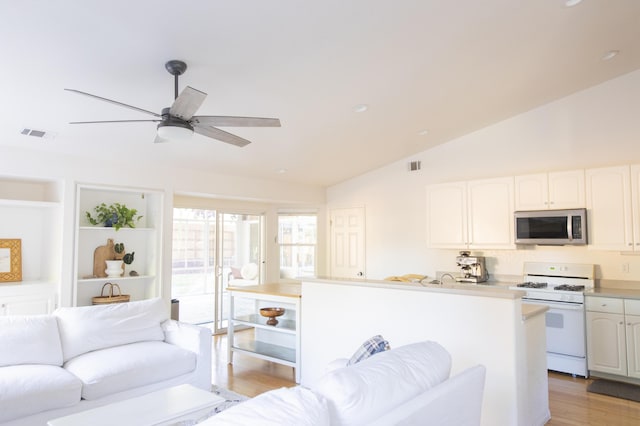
[[347, 249]]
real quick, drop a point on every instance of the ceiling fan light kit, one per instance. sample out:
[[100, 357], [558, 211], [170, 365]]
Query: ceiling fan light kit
[[178, 122]]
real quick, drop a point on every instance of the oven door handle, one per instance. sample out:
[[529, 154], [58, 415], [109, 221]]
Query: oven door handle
[[554, 305]]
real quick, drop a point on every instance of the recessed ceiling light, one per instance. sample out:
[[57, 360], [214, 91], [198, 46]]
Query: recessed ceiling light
[[281, 171], [610, 55], [423, 132], [571, 3], [360, 108]]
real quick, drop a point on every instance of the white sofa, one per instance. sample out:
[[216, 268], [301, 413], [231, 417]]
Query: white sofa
[[84, 357], [409, 385]]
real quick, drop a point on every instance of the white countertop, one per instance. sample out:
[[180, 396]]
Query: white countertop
[[489, 289]]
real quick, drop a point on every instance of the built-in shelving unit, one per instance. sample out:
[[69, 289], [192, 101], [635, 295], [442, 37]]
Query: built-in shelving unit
[[279, 343], [145, 240], [31, 210]]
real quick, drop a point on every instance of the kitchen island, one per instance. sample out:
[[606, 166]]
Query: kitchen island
[[477, 324]]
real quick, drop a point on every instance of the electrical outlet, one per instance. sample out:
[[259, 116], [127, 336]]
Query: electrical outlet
[[625, 268]]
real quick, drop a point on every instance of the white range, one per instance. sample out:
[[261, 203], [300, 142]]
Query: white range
[[561, 287]]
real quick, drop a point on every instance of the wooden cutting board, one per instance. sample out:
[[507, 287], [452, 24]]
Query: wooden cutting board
[[102, 253]]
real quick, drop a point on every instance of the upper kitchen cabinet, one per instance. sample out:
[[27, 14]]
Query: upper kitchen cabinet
[[557, 190], [447, 215], [610, 218], [31, 211], [476, 214], [144, 240]]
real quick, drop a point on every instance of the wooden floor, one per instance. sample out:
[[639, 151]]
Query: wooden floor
[[569, 401]]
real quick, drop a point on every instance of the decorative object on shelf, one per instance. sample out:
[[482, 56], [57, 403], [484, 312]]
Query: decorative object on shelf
[[102, 254], [271, 313], [114, 215], [111, 297], [128, 259], [114, 268], [10, 260], [118, 248]]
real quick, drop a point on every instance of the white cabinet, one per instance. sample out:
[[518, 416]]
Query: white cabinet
[[475, 214], [606, 339], [144, 240], [28, 299], [31, 211], [557, 190], [279, 343], [613, 336], [610, 215]]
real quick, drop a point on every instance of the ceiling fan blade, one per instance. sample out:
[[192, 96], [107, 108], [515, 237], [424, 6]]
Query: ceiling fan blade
[[115, 121], [158, 139], [220, 135], [187, 103], [113, 102], [219, 121]]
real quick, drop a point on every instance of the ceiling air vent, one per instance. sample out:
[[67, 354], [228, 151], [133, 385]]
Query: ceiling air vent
[[37, 133], [414, 166]]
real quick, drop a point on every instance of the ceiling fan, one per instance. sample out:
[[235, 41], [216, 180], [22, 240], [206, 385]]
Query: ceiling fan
[[179, 122]]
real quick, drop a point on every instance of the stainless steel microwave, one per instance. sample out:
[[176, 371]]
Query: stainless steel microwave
[[551, 227]]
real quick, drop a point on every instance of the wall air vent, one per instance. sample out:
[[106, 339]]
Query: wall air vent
[[414, 166], [37, 133]]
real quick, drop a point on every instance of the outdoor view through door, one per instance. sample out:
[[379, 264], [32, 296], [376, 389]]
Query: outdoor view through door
[[211, 250]]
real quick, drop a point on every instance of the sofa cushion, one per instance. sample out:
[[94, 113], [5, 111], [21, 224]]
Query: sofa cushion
[[285, 406], [119, 368], [31, 389], [88, 328], [359, 393], [31, 339]]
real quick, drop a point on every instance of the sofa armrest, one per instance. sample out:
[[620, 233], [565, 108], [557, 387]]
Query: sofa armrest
[[195, 339], [454, 402]]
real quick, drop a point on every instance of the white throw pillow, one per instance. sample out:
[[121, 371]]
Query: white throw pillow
[[249, 271], [31, 339], [89, 328], [362, 392]]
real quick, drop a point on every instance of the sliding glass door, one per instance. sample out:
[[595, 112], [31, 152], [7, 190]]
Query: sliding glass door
[[213, 249]]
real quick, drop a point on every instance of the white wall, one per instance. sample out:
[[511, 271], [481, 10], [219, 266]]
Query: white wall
[[597, 127], [131, 172]]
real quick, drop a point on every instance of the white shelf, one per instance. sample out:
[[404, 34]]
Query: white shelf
[[268, 351], [29, 204], [258, 321], [31, 210], [279, 343], [104, 279], [145, 240], [111, 228]]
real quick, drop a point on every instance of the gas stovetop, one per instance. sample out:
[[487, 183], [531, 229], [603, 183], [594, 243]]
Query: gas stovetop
[[556, 282], [558, 287]]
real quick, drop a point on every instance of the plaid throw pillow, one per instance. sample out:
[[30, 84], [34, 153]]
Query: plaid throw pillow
[[370, 347]]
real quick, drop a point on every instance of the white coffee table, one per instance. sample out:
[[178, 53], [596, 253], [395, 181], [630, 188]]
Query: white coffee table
[[163, 407]]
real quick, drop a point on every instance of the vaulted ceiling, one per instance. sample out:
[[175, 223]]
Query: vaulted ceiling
[[428, 71]]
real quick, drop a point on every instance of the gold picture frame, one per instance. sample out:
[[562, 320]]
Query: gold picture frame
[[10, 260]]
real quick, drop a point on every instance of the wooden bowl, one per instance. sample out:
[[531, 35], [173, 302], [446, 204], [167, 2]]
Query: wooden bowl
[[271, 313]]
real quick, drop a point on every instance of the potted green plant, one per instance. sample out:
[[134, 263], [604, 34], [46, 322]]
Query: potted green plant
[[116, 215]]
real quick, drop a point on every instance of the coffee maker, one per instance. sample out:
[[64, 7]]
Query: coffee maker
[[473, 268]]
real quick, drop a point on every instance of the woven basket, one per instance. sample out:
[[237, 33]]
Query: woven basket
[[110, 298]]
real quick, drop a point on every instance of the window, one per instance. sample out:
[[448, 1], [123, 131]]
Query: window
[[297, 237]]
